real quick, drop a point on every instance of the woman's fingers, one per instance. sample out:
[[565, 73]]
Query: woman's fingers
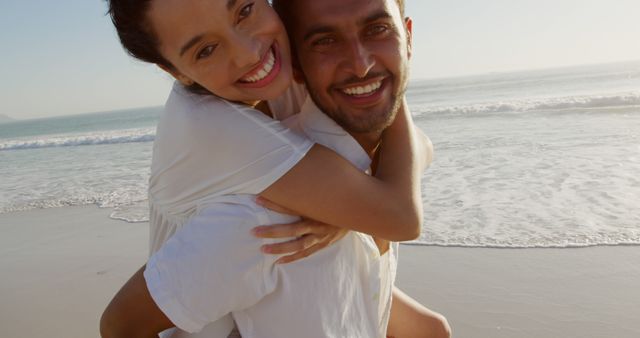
[[297, 229], [311, 236], [275, 207], [295, 245], [301, 254]]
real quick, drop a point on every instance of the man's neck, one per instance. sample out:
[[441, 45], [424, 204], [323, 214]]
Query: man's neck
[[368, 141]]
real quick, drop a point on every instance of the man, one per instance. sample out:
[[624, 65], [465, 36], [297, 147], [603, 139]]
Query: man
[[349, 53], [353, 57]]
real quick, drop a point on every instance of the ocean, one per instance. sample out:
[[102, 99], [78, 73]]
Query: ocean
[[537, 159]]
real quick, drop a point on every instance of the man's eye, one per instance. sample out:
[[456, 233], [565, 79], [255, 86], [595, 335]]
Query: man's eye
[[378, 29], [324, 41], [205, 52], [246, 11]]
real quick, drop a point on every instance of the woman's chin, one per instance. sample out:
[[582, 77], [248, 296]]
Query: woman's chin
[[274, 90]]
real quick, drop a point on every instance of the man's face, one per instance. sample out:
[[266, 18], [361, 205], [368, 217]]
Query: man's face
[[354, 58]]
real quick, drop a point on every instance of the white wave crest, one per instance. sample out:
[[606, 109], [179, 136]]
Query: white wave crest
[[533, 105], [73, 140]]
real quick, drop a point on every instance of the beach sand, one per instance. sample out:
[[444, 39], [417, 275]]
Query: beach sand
[[60, 267]]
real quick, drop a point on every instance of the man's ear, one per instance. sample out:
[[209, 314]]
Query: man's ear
[[298, 76], [408, 24], [177, 75]]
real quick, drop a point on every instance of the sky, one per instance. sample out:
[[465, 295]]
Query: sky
[[63, 57]]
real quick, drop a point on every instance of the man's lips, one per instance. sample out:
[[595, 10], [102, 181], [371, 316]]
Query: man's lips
[[364, 88]]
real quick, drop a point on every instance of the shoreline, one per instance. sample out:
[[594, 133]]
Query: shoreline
[[61, 266], [117, 218]]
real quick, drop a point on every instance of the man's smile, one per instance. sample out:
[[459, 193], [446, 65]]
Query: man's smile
[[365, 92]]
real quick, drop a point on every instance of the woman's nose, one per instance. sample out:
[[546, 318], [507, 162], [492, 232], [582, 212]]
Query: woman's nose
[[246, 50]]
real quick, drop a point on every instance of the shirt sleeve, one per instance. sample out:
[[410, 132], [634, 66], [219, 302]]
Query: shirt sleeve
[[208, 147], [210, 267]]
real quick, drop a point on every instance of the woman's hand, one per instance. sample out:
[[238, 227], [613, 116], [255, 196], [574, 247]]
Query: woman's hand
[[312, 236]]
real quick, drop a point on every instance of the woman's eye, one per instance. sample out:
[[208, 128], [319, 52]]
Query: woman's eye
[[246, 11], [205, 52]]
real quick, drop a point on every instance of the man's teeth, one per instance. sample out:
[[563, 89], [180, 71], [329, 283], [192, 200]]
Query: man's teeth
[[363, 90], [266, 69]]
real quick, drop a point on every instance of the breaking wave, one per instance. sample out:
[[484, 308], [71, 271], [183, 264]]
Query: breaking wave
[[73, 140], [538, 105]]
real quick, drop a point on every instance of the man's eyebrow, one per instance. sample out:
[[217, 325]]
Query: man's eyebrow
[[191, 43], [323, 29], [318, 29], [382, 14]]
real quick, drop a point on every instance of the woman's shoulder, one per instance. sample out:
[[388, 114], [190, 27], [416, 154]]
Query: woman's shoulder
[[183, 104], [198, 110], [211, 121], [290, 102]]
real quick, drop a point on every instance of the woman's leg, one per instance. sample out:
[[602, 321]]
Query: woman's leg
[[409, 319]]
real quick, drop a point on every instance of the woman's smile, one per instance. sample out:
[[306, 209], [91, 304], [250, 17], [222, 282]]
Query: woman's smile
[[265, 72]]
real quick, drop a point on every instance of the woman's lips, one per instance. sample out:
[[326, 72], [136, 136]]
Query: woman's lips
[[265, 72]]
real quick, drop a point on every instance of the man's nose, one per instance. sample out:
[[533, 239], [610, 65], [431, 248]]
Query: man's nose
[[245, 50], [359, 59]]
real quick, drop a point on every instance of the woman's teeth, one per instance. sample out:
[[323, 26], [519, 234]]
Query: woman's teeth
[[363, 90], [266, 69]]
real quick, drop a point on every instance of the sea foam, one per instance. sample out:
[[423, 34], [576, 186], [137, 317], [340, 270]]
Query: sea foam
[[554, 104], [83, 139]]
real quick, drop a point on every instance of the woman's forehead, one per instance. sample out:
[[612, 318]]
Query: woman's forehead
[[177, 22]]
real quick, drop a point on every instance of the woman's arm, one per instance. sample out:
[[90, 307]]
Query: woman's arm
[[325, 187]]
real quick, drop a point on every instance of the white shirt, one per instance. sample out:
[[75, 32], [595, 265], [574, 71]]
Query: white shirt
[[321, 129], [213, 266]]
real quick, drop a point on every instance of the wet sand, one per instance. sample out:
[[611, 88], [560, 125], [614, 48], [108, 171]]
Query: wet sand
[[60, 267]]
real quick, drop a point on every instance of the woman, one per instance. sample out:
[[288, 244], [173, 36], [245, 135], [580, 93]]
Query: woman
[[241, 56]]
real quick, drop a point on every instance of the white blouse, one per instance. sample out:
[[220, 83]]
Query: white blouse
[[207, 147]]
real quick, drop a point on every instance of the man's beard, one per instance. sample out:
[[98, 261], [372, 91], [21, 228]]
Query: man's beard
[[375, 122]]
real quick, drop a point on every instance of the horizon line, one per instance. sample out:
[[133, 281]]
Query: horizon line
[[428, 78]]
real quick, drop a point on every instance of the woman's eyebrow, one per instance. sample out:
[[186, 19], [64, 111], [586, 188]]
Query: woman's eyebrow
[[231, 4], [191, 43]]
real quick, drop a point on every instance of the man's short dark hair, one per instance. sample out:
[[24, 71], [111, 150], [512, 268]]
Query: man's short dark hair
[[283, 8]]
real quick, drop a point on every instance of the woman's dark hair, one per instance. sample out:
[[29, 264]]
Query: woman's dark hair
[[136, 35]]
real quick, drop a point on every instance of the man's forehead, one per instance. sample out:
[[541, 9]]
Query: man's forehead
[[311, 13]]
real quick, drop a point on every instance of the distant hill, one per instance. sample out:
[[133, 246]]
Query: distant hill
[[5, 118]]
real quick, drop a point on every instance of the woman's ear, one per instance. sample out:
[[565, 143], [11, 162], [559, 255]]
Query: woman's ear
[[177, 75]]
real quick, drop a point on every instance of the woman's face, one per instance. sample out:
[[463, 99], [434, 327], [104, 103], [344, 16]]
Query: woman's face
[[236, 49]]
